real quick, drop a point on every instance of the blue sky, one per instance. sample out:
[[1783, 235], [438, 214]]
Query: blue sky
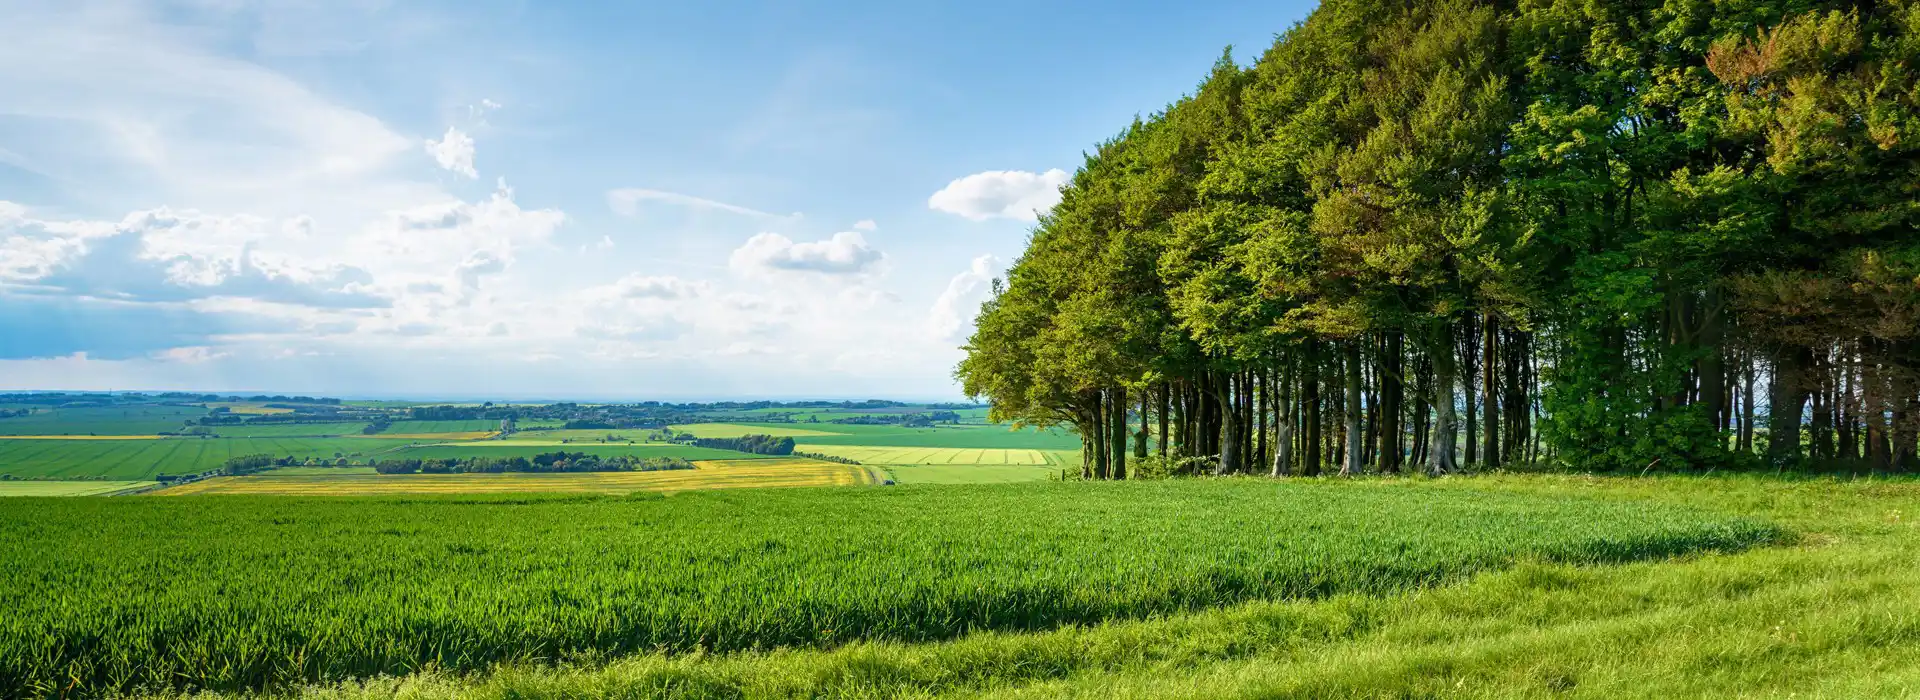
[[547, 200]]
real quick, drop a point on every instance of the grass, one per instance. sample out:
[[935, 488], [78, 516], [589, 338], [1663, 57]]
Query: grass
[[288, 429], [143, 419], [960, 436], [464, 584], [751, 473], [68, 488], [734, 430], [967, 473], [529, 448], [1834, 614], [142, 460], [930, 455], [428, 427], [557, 435]]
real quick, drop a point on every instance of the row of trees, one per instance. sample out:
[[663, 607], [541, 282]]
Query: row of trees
[[753, 444], [1598, 234], [547, 462]]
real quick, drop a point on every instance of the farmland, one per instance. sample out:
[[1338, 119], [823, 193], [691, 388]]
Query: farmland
[[143, 419], [507, 448], [746, 473], [68, 488], [726, 570], [289, 430], [146, 459], [931, 455]]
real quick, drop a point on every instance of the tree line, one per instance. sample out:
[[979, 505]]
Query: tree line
[[1592, 234], [752, 444], [546, 462]]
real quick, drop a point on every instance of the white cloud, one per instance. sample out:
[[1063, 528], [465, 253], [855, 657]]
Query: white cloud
[[454, 151], [865, 225], [628, 201], [845, 253], [190, 355], [1009, 194], [951, 318], [646, 287]]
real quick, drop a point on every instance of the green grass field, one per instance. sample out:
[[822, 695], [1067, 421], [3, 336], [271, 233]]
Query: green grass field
[[967, 473], [556, 435], [507, 448], [462, 584], [734, 430], [141, 460], [318, 471], [726, 474], [146, 419], [931, 455], [68, 488], [967, 436], [289, 430], [428, 427]]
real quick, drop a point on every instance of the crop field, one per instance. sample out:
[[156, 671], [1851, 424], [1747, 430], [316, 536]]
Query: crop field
[[734, 430], [930, 455], [734, 474], [116, 420], [428, 427], [968, 473], [249, 408], [318, 471], [530, 448], [289, 430], [556, 436], [323, 589], [68, 488], [140, 460], [975, 436]]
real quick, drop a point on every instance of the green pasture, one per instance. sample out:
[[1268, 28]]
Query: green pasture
[[142, 460], [139, 419], [269, 592], [507, 448], [68, 488]]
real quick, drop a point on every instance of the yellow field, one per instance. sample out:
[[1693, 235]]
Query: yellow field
[[474, 435], [734, 430], [749, 473], [84, 437], [931, 455], [68, 488]]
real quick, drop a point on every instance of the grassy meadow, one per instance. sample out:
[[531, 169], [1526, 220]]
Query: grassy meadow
[[142, 460], [743, 473], [461, 584], [145, 419], [69, 488]]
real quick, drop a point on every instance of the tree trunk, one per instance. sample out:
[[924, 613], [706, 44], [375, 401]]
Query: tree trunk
[[1117, 428], [1166, 388], [1440, 448], [1283, 424], [1489, 391], [1229, 436], [1310, 374], [1787, 398], [1352, 465]]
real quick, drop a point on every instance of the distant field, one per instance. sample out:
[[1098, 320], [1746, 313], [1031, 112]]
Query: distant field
[[317, 471], [112, 595], [507, 448], [931, 455], [749, 473], [733, 430], [580, 435], [249, 408], [128, 420], [144, 459], [68, 488], [289, 429], [967, 473], [981, 436], [422, 427]]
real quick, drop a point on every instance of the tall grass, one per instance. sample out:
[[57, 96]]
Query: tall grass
[[236, 592]]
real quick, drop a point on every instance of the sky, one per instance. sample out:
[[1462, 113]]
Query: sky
[[560, 200]]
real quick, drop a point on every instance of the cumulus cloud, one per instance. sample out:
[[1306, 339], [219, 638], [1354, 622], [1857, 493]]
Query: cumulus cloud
[[845, 253], [192, 355], [454, 151], [953, 311], [865, 225], [1008, 194], [166, 256], [647, 287]]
